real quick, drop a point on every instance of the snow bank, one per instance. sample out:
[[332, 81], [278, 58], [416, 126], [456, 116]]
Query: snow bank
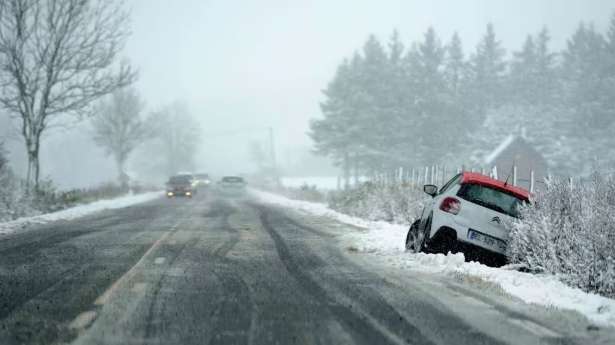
[[321, 182], [387, 240], [78, 211]]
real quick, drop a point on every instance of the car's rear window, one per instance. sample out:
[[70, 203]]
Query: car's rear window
[[179, 179], [232, 179], [491, 198], [202, 176]]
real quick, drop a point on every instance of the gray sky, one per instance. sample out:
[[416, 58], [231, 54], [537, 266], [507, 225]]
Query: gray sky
[[251, 64]]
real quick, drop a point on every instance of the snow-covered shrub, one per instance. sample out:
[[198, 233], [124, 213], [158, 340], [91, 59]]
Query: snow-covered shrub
[[397, 203], [86, 195], [570, 231], [14, 202]]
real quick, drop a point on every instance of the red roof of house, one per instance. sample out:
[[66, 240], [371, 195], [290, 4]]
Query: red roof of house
[[476, 178]]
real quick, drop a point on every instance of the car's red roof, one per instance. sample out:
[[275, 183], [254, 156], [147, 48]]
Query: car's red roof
[[476, 178]]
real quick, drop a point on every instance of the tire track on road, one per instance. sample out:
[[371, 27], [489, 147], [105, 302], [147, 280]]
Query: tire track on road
[[361, 326], [230, 325]]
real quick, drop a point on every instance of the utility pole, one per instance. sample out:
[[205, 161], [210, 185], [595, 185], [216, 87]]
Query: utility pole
[[272, 153]]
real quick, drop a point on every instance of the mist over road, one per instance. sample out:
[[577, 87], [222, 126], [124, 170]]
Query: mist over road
[[214, 270]]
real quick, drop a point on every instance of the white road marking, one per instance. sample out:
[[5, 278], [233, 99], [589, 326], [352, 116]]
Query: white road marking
[[83, 320], [104, 298], [159, 261]]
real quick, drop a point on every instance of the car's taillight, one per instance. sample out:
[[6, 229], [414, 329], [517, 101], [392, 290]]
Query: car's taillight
[[450, 205]]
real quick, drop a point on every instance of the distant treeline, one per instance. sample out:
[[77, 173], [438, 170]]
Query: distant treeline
[[392, 106]]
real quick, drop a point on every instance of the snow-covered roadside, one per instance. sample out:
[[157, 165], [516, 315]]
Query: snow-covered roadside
[[78, 211], [387, 240]]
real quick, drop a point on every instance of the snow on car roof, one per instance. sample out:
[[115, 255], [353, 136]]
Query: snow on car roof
[[498, 150], [476, 178]]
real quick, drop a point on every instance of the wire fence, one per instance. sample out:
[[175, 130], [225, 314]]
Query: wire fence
[[440, 174]]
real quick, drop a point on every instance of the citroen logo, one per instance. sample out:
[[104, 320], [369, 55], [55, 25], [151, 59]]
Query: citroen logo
[[496, 219]]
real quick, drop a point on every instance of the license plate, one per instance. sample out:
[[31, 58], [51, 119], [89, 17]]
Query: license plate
[[487, 240]]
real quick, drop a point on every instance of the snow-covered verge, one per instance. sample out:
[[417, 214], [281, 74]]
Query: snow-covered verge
[[320, 182], [387, 241], [78, 211]]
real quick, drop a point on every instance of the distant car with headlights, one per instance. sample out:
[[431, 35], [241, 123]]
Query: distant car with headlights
[[467, 214], [233, 185], [202, 181], [181, 185]]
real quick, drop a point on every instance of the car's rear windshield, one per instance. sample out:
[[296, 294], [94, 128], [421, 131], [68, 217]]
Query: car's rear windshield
[[202, 176], [179, 179], [232, 179], [491, 198]]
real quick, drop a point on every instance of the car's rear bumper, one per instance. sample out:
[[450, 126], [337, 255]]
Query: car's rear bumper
[[473, 252], [442, 220]]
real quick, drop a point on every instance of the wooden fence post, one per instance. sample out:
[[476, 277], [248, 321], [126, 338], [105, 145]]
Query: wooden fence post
[[531, 181]]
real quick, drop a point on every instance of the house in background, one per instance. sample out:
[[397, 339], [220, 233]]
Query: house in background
[[516, 151]]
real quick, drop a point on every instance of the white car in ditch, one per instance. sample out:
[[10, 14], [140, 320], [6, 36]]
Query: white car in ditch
[[467, 215]]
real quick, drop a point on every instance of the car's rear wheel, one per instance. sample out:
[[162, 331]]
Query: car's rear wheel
[[444, 241], [415, 240]]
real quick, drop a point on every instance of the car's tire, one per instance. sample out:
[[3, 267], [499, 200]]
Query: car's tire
[[444, 241], [415, 241]]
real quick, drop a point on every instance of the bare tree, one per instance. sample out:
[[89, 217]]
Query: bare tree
[[56, 58], [119, 127], [178, 134]]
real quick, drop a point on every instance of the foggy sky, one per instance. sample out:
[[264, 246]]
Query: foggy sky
[[251, 64], [242, 66]]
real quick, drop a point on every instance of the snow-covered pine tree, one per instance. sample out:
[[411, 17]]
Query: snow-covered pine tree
[[455, 67], [374, 110], [487, 70], [522, 78], [608, 100], [547, 84], [432, 105], [584, 83]]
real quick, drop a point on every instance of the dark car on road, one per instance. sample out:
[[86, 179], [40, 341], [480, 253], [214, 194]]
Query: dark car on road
[[181, 185]]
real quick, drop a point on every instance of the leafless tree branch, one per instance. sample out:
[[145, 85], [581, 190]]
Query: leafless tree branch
[[56, 58]]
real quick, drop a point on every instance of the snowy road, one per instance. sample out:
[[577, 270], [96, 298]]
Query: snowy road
[[226, 271]]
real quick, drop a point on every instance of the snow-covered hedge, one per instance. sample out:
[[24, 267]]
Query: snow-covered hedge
[[15, 202], [398, 203], [570, 231]]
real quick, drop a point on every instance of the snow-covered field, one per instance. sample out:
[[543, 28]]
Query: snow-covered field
[[387, 240], [78, 211]]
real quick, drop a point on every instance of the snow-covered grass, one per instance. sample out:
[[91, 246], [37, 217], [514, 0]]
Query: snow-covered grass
[[396, 203], [387, 241], [78, 211]]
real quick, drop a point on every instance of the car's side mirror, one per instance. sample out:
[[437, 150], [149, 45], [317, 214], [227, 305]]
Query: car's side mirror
[[430, 189]]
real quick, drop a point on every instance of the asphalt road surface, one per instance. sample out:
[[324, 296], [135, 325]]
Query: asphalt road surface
[[215, 270]]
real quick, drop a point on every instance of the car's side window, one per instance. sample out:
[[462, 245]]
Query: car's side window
[[450, 183]]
